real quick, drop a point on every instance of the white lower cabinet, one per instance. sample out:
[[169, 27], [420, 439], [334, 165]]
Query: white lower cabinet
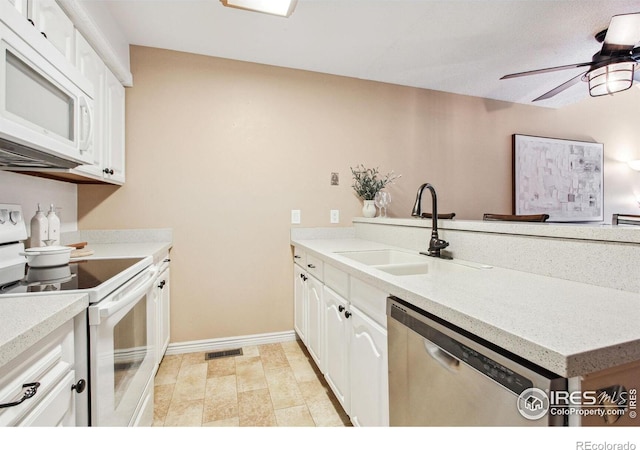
[[336, 338], [369, 371], [315, 331], [308, 305], [348, 345], [163, 299], [40, 387], [300, 302]]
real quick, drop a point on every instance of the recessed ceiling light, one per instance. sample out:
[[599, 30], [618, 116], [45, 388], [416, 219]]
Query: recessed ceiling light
[[282, 8]]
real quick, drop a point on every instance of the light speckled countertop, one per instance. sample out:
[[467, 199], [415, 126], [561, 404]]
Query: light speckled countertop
[[26, 320], [566, 327], [124, 243]]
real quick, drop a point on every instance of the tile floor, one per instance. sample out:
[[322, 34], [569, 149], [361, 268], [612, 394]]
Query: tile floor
[[269, 385]]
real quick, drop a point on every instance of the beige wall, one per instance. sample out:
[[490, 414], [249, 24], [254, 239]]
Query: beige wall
[[221, 151]]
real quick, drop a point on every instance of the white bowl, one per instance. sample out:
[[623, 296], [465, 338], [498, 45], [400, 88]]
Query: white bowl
[[47, 256]]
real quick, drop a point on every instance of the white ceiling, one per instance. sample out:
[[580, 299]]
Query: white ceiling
[[454, 46]]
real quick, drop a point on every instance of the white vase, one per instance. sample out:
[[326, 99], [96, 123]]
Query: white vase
[[369, 208]]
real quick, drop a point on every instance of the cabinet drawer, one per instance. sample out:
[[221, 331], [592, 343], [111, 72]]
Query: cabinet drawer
[[314, 267], [47, 362], [299, 257], [336, 280], [370, 300], [56, 409]]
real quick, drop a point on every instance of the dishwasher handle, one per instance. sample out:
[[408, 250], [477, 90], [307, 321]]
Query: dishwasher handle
[[451, 363]]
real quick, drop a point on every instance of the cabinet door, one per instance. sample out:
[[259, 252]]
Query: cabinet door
[[300, 303], [92, 67], [369, 371], [20, 5], [314, 320], [114, 129], [336, 346], [49, 18], [164, 309]]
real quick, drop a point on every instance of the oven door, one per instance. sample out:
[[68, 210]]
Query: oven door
[[122, 353]]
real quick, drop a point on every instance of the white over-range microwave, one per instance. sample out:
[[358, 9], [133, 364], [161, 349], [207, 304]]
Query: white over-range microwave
[[46, 106]]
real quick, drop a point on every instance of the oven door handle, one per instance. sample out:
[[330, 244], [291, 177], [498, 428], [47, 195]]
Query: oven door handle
[[111, 307]]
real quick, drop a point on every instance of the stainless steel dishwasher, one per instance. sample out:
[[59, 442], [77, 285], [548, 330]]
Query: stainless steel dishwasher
[[440, 375]]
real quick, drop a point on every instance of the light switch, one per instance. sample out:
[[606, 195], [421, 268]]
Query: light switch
[[335, 216], [295, 216]]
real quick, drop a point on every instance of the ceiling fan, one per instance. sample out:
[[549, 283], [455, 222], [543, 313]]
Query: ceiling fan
[[612, 68]]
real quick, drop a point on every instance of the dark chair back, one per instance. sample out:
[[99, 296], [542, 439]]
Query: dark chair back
[[440, 216], [625, 219], [517, 218]]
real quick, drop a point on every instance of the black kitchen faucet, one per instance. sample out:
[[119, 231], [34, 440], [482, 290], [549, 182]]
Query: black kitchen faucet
[[435, 243]]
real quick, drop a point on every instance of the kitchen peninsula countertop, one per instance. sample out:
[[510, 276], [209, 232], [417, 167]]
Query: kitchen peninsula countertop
[[566, 327], [27, 319]]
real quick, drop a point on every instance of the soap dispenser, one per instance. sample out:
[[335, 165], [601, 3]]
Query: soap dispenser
[[54, 226], [39, 228]]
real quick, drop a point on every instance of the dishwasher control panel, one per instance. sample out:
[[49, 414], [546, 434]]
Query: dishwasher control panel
[[499, 373]]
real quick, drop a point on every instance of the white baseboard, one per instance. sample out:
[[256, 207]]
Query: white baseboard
[[207, 345]]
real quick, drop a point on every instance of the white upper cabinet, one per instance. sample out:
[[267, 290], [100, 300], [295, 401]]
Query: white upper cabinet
[[53, 23], [114, 153], [104, 138], [108, 149], [20, 5]]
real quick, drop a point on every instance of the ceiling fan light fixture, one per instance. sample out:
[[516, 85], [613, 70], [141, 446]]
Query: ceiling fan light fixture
[[611, 78], [282, 8]]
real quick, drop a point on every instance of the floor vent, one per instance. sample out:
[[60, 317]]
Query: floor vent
[[223, 354]]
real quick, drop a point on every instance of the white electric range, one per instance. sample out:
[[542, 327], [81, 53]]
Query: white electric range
[[121, 325]]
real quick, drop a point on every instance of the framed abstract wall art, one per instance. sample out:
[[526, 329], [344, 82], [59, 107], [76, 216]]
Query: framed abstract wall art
[[558, 177]]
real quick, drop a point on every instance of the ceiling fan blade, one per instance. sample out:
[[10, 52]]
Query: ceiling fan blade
[[560, 88], [549, 69], [622, 35]]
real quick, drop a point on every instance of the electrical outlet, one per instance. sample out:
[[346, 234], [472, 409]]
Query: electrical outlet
[[295, 216], [335, 216]]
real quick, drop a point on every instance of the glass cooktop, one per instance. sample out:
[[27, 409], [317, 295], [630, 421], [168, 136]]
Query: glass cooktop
[[84, 274]]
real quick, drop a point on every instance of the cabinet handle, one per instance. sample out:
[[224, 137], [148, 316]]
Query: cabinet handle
[[79, 386], [297, 256], [311, 266], [167, 260], [304, 277], [108, 171], [31, 22], [32, 388], [347, 314], [162, 283], [340, 308], [44, 34]]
